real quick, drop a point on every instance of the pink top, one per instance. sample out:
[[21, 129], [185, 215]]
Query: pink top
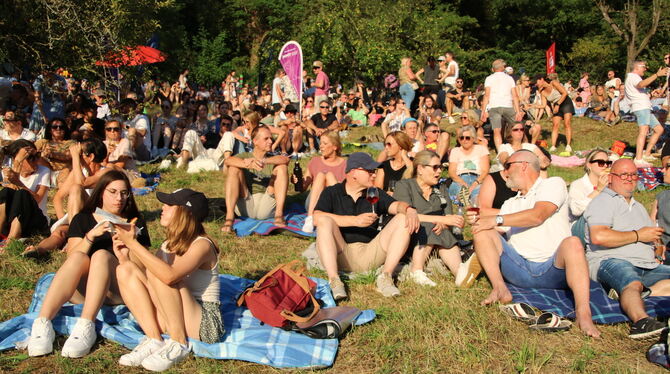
[[316, 166], [326, 84], [586, 93], [468, 163]]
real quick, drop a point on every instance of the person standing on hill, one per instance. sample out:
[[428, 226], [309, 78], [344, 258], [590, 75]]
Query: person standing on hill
[[322, 83], [501, 102]]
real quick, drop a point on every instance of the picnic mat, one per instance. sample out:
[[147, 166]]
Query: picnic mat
[[245, 339], [650, 178], [294, 217], [566, 162], [604, 309], [152, 183]]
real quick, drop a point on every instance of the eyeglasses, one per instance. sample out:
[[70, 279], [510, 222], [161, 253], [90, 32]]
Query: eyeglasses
[[310, 101], [519, 129], [509, 164], [324, 107], [601, 163], [627, 176], [58, 127], [113, 129], [465, 138], [459, 81], [226, 124], [123, 193], [434, 167]]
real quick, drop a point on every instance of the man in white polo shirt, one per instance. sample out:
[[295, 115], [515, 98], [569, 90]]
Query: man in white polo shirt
[[501, 101], [641, 105], [537, 250]]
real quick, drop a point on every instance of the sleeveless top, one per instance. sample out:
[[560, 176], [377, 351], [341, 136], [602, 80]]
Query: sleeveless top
[[430, 75], [403, 77], [203, 284], [502, 191], [554, 96], [391, 174]]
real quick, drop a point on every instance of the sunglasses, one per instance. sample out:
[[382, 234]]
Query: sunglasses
[[315, 67], [465, 137], [58, 127], [226, 124], [517, 129], [464, 117], [113, 129], [324, 107], [310, 101], [601, 163], [433, 131], [509, 164], [434, 167], [627, 176]]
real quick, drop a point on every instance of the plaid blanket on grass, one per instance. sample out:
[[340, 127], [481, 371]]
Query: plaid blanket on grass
[[152, 183], [604, 309], [650, 178], [294, 217], [245, 339]]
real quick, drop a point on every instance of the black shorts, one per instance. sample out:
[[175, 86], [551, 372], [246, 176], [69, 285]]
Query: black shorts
[[565, 108]]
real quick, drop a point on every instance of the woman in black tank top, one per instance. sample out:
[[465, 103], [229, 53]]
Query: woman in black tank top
[[493, 193]]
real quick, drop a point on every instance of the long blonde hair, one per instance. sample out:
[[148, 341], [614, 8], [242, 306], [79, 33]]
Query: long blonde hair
[[334, 138], [183, 231]]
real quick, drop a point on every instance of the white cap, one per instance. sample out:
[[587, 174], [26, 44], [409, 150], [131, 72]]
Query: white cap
[[509, 70], [441, 58]]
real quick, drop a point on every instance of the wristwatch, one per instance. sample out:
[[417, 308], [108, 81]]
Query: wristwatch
[[499, 220]]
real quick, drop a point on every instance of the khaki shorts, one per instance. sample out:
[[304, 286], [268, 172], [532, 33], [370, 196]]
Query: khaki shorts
[[257, 206], [361, 257]]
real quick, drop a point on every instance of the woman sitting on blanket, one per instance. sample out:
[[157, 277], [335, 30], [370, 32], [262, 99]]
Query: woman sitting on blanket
[[88, 275], [322, 172], [516, 138], [583, 190], [396, 164], [177, 289]]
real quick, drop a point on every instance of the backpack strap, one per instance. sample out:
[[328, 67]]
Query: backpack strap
[[295, 270]]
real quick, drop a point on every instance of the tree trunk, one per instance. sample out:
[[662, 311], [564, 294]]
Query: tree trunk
[[254, 52]]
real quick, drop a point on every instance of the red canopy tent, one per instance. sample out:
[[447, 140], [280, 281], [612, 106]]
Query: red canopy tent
[[133, 56]]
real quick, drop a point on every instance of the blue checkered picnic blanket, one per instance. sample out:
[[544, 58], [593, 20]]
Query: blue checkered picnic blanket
[[245, 339], [604, 309], [294, 217]]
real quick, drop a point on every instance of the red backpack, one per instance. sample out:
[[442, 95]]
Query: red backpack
[[282, 296]]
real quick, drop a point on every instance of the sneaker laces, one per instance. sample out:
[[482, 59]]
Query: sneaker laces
[[173, 347]]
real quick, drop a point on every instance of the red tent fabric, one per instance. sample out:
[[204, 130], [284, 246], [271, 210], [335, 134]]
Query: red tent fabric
[[133, 56]]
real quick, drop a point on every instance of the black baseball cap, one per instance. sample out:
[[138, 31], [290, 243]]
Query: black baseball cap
[[194, 201], [361, 160]]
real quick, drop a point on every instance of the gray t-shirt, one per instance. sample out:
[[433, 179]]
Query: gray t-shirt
[[611, 209], [663, 215]]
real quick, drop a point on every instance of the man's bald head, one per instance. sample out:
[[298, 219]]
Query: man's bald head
[[623, 178], [527, 156], [623, 164]]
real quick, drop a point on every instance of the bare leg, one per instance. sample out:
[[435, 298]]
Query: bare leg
[[53, 242], [556, 123], [75, 201], [631, 301], [443, 144], [639, 143], [103, 265], [567, 118], [280, 176], [329, 242], [570, 256], [135, 293], [661, 288], [297, 139], [175, 302], [497, 137], [489, 248], [419, 256], [394, 238], [451, 257], [450, 106], [658, 130], [318, 185], [234, 184], [14, 229], [64, 283]]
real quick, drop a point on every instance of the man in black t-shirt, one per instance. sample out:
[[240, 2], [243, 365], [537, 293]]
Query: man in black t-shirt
[[320, 123], [347, 238]]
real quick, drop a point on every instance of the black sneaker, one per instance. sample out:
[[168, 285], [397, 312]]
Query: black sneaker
[[646, 328]]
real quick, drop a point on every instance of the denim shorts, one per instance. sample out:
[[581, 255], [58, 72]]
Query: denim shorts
[[646, 118], [528, 274], [617, 274]]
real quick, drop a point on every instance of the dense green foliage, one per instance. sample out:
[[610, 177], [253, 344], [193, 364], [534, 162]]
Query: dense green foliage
[[356, 39]]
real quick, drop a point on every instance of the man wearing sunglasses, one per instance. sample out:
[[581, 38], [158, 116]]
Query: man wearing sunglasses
[[537, 250], [620, 249], [347, 237], [321, 83], [320, 122]]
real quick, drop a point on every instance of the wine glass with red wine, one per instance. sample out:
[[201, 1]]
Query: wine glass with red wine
[[372, 196]]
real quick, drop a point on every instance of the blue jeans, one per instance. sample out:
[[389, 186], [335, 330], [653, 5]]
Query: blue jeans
[[618, 274], [528, 274], [407, 93], [455, 188]]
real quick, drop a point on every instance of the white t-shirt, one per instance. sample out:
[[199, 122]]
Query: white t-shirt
[[507, 148], [539, 243], [468, 163], [41, 178], [275, 95], [638, 97], [579, 196], [141, 122], [25, 134], [103, 111], [501, 86], [452, 79]]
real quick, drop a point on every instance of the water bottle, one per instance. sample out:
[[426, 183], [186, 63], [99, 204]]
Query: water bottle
[[297, 171], [455, 229]]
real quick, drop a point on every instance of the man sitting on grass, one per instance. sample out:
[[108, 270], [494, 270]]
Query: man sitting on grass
[[257, 182], [347, 238], [538, 251], [620, 242]]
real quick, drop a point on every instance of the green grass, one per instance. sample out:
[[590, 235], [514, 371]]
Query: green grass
[[426, 330]]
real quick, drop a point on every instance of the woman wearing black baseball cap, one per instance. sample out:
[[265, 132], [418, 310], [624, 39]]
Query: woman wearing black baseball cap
[[180, 280]]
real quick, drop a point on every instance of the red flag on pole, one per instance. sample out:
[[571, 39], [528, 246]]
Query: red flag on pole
[[551, 59]]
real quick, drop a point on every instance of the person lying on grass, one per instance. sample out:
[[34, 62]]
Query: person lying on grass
[[177, 289], [537, 250], [88, 275]]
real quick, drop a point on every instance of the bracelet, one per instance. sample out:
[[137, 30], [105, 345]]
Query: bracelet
[[637, 237], [88, 240]]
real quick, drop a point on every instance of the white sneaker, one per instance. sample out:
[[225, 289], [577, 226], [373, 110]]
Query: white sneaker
[[81, 340], [468, 272], [568, 148], [552, 149], [181, 163], [452, 120], [308, 226], [143, 350], [419, 277], [42, 337], [641, 163], [166, 357], [165, 164], [649, 158]]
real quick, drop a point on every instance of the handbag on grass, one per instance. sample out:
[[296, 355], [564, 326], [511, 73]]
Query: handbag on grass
[[329, 323], [282, 296]]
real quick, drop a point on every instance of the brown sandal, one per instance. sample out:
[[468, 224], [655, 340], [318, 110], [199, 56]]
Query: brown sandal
[[279, 221], [227, 227]]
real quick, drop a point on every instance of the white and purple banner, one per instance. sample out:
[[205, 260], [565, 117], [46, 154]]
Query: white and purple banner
[[290, 58]]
